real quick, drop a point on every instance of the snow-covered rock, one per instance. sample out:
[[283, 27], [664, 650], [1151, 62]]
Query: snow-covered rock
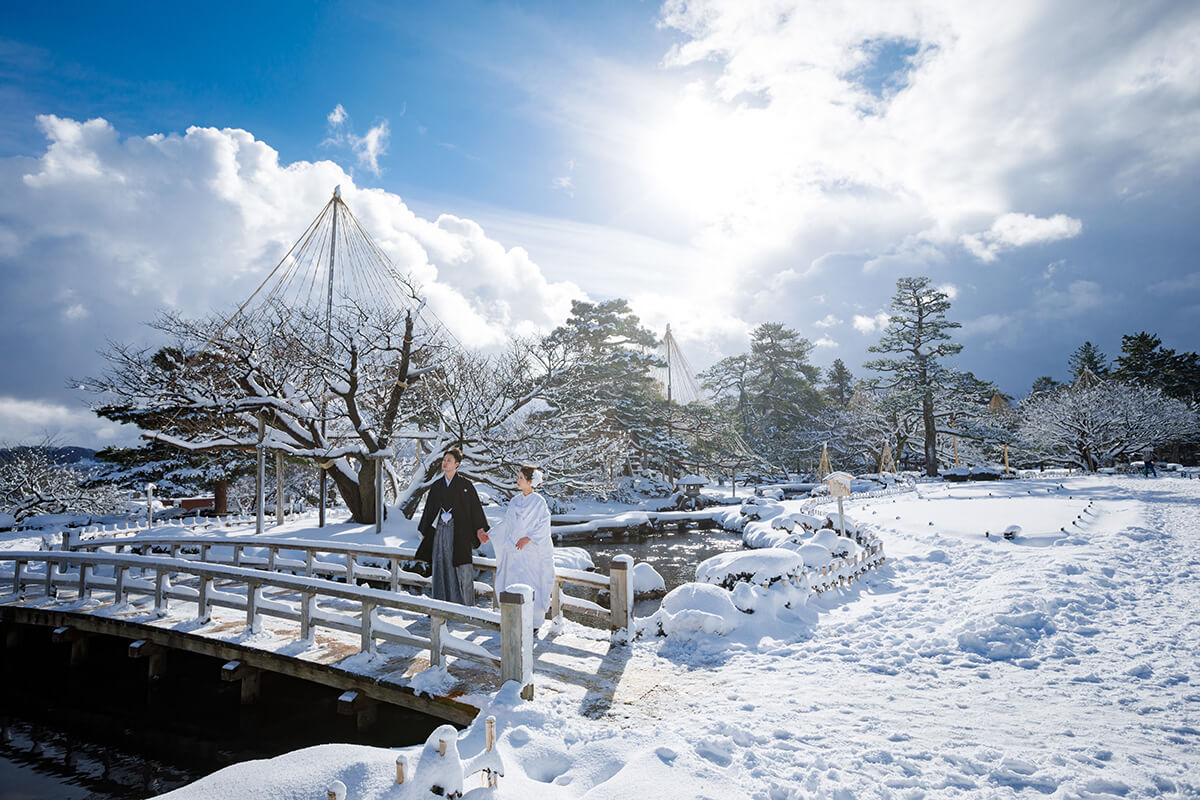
[[573, 558], [759, 567], [646, 580]]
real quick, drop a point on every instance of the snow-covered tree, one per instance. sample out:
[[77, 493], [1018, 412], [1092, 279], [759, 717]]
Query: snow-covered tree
[[918, 334], [771, 392], [334, 399], [32, 483], [1094, 423]]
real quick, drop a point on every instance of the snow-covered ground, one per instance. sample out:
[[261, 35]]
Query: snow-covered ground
[[1061, 663]]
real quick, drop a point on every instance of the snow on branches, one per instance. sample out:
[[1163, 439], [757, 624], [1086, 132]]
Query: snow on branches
[[1089, 425]]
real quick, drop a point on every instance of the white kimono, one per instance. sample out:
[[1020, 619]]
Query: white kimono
[[532, 565]]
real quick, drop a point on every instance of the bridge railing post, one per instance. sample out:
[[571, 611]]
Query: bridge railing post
[[368, 636], [435, 640], [620, 591], [516, 637]]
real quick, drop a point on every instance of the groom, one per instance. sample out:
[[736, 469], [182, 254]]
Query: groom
[[451, 526]]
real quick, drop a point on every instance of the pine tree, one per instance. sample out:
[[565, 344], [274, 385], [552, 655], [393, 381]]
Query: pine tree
[[918, 333], [841, 383], [1088, 356], [771, 392], [1044, 384]]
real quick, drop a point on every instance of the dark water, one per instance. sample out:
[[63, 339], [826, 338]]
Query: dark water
[[102, 730], [673, 555]]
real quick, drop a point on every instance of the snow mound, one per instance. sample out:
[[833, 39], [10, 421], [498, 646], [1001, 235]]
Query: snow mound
[[698, 608], [573, 558], [759, 567], [7, 522], [814, 555], [1010, 635], [646, 580]]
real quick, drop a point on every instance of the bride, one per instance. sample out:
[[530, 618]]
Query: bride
[[524, 549]]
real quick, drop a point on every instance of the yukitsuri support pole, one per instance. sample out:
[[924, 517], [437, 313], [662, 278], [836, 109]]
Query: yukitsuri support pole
[[379, 494], [278, 487], [260, 473], [620, 590], [516, 637], [149, 505]]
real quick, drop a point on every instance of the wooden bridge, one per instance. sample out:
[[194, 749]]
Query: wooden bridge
[[287, 605]]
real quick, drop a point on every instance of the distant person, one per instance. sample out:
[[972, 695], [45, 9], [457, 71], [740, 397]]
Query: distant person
[[524, 547], [1150, 471], [451, 526]]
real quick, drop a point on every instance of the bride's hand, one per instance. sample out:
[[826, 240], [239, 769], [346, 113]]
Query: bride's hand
[[524, 540]]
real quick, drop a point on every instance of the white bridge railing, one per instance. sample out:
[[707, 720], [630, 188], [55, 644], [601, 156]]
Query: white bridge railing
[[375, 614], [357, 562]]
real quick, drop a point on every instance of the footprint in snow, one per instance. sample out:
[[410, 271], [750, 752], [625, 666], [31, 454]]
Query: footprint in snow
[[720, 753]]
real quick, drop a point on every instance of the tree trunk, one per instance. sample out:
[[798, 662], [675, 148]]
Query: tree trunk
[[351, 494], [931, 459], [221, 497]]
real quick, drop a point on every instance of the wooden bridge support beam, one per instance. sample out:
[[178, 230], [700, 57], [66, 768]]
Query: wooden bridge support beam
[[77, 639], [250, 678], [364, 709], [156, 657]]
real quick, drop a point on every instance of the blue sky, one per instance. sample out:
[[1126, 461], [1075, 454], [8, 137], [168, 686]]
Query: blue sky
[[718, 162]]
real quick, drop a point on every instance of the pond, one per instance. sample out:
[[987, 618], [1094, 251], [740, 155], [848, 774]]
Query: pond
[[673, 555]]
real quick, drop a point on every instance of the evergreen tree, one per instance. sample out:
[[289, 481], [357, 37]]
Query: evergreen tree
[[611, 358], [1088, 356], [841, 383], [771, 392], [1043, 385], [1145, 362], [918, 334]]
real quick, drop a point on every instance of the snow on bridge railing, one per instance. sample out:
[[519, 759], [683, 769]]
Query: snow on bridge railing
[[295, 599], [273, 556]]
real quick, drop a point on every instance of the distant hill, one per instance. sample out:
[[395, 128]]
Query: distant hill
[[61, 455]]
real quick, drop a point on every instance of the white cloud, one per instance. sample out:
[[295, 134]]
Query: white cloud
[[197, 219], [825, 341], [987, 324], [1010, 231], [1185, 283], [864, 324], [370, 147], [34, 421], [75, 311], [948, 289], [367, 149], [1079, 297], [991, 109], [828, 321]]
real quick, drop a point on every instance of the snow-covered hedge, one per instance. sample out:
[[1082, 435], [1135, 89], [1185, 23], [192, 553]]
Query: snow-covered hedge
[[759, 567]]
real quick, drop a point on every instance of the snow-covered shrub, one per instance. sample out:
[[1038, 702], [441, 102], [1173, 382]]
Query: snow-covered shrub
[[759, 567], [698, 608], [814, 555]]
